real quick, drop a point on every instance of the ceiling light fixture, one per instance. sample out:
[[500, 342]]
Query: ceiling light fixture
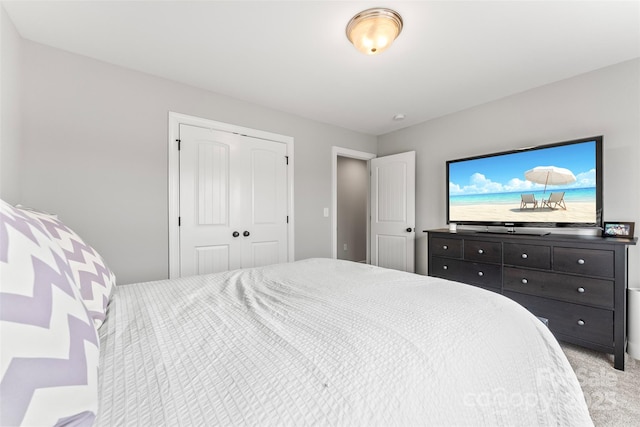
[[373, 30]]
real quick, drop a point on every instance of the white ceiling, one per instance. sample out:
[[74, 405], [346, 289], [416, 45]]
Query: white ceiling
[[293, 56]]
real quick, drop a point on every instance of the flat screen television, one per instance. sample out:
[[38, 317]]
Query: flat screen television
[[552, 185]]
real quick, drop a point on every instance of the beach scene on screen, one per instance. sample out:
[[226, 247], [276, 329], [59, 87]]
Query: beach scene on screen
[[554, 184]]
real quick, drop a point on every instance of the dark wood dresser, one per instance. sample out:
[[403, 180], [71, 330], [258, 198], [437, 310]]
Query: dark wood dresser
[[576, 284]]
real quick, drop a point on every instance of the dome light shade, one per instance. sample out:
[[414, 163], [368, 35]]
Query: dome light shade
[[373, 30]]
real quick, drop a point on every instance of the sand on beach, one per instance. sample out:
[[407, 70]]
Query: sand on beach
[[576, 212]]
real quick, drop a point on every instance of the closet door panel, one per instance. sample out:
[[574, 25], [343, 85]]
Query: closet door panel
[[233, 201]]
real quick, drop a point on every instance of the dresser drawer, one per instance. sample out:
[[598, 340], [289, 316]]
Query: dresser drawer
[[451, 248], [581, 290], [590, 262], [485, 275], [532, 256], [478, 250], [573, 320], [445, 268]]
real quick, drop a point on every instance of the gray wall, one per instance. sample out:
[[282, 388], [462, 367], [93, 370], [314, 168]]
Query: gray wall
[[88, 141], [10, 110], [94, 138], [353, 187], [603, 102]]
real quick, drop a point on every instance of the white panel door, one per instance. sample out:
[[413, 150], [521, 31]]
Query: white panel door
[[233, 201], [393, 211], [207, 214], [264, 205]]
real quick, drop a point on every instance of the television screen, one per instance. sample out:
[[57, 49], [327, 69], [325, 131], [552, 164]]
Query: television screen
[[554, 185]]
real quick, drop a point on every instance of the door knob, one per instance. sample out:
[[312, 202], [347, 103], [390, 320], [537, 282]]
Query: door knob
[[246, 234], [409, 230], [235, 234]]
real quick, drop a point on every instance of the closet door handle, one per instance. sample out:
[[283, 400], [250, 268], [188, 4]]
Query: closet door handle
[[235, 234], [246, 234]]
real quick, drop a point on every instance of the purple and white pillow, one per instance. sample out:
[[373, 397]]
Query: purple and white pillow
[[50, 348], [91, 274]]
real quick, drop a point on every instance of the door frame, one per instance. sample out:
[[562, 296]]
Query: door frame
[[175, 120], [354, 154]]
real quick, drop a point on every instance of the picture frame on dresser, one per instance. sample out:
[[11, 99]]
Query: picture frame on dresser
[[618, 229]]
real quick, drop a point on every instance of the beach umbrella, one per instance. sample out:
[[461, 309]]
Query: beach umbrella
[[549, 175]]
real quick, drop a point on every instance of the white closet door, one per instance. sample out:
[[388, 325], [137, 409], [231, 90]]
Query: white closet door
[[232, 201], [264, 204], [393, 211]]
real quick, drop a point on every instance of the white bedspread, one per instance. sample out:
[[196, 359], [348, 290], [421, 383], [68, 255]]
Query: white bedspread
[[328, 342]]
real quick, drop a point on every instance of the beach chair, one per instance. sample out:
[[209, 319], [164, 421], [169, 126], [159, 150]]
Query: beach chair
[[528, 199], [554, 201]]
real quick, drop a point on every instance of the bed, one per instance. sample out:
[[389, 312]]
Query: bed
[[313, 342]]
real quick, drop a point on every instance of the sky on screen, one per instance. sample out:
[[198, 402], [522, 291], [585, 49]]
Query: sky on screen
[[505, 174]]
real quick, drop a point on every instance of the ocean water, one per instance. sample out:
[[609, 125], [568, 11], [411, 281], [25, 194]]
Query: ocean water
[[570, 195]]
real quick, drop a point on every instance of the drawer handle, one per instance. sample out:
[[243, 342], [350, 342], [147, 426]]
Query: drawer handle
[[445, 267], [581, 290], [580, 261], [580, 322], [524, 281], [445, 247], [480, 251], [480, 273], [524, 256]]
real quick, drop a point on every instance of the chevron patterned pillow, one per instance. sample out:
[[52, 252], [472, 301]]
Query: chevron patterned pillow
[[50, 347], [91, 274]]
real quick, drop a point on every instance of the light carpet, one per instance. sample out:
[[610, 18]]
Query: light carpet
[[613, 396]]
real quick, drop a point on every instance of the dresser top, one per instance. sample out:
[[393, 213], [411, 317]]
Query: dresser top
[[531, 236]]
